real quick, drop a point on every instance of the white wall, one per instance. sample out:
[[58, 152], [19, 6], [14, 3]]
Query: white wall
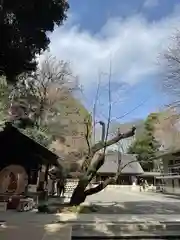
[[172, 190]]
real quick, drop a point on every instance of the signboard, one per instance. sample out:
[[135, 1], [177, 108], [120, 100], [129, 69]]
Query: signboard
[[32, 188]]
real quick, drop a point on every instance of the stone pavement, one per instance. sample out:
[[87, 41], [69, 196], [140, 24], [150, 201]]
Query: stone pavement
[[125, 195], [28, 232], [118, 211], [47, 226], [13, 218], [112, 205]]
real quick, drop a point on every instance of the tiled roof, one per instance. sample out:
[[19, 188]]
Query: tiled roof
[[111, 164]]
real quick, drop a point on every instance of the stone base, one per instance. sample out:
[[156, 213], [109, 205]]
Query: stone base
[[3, 206], [26, 205]]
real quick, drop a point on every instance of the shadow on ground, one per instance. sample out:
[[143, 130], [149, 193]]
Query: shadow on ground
[[38, 225], [137, 207], [30, 225], [138, 225], [98, 211], [134, 226]]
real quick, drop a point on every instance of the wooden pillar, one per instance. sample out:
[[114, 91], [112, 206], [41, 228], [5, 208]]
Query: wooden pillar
[[41, 179], [46, 174], [43, 191]]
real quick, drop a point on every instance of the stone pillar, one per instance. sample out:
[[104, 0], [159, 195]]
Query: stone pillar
[[168, 182], [165, 164]]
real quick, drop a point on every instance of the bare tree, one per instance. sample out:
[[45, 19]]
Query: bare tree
[[170, 63], [36, 96], [91, 163], [166, 129], [94, 158]]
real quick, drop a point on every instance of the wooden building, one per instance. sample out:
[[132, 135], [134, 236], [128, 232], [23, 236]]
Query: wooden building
[[21, 161], [150, 177], [129, 172], [170, 176]]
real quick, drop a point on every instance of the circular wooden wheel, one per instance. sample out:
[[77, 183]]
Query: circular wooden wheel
[[13, 179]]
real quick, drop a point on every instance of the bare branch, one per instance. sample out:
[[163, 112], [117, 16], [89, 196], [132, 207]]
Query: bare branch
[[41, 90], [87, 134], [120, 136], [95, 105], [86, 161], [110, 106], [170, 63], [119, 166], [133, 109], [100, 187], [110, 180]]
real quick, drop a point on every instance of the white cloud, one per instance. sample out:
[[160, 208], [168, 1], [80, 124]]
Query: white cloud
[[132, 43], [151, 3]]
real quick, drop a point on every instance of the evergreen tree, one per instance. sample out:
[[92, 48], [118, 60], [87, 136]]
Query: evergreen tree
[[23, 28], [146, 146]]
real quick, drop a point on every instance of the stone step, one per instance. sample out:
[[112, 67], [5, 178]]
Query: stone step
[[100, 229], [94, 221], [158, 225], [84, 230], [132, 236]]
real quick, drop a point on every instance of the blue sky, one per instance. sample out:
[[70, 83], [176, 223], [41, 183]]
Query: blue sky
[[128, 33], [93, 14]]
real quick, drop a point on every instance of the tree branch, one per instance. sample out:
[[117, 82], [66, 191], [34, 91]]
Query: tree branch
[[119, 166], [108, 181], [95, 166], [100, 145], [100, 187], [110, 108], [87, 136], [94, 107]]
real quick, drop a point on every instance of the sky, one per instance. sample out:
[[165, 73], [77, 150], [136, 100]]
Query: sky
[[121, 41]]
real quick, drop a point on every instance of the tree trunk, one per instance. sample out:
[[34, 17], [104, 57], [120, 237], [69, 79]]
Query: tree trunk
[[100, 187], [78, 195]]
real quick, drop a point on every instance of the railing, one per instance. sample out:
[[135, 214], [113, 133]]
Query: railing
[[169, 174]]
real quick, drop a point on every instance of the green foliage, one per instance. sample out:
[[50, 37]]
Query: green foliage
[[42, 116], [146, 146], [81, 209], [150, 121], [38, 134], [5, 91], [24, 25]]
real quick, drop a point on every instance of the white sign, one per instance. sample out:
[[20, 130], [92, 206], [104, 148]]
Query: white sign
[[32, 188]]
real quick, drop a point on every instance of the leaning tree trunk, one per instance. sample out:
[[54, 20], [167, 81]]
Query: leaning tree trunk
[[90, 170], [78, 195]]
